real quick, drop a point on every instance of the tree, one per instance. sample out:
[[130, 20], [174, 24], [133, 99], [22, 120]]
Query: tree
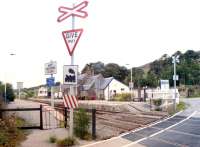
[[116, 71], [9, 92]]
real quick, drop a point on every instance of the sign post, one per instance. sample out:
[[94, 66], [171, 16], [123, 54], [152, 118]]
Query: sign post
[[19, 87], [50, 69], [71, 38]]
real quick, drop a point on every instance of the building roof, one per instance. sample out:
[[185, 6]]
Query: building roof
[[105, 82], [86, 82]]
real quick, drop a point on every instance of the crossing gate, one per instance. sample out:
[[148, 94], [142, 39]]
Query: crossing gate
[[43, 117]]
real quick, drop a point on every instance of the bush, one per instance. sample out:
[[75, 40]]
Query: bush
[[81, 124], [123, 97], [10, 135], [157, 102], [67, 142], [52, 139], [181, 106]]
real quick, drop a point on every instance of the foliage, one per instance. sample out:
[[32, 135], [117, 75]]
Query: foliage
[[28, 93], [108, 70], [67, 142], [81, 123], [188, 70], [181, 106], [157, 102], [10, 135], [52, 139], [9, 91], [123, 97]]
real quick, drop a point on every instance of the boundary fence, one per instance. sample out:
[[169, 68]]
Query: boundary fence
[[50, 118]]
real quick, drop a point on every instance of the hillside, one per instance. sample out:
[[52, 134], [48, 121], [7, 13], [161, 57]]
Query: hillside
[[150, 74]]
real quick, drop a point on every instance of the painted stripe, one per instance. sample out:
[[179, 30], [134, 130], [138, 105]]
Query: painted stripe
[[76, 98], [66, 101], [160, 131], [71, 100], [74, 101], [70, 103]]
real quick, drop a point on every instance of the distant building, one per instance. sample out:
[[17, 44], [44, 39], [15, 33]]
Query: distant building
[[42, 92], [98, 87]]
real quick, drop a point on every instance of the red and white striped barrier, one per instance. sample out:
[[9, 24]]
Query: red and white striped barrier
[[70, 101]]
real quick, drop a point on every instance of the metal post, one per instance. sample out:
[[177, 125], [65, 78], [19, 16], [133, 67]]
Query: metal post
[[65, 114], [71, 120], [19, 94], [174, 61], [5, 95], [93, 123], [41, 118], [131, 84]]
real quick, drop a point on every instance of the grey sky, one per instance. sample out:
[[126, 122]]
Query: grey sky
[[119, 31]]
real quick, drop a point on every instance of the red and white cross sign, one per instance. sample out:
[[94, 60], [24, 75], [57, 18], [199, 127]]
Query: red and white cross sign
[[71, 38], [70, 101], [75, 11]]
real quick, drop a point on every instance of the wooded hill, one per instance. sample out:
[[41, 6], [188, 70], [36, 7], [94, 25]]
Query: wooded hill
[[150, 74]]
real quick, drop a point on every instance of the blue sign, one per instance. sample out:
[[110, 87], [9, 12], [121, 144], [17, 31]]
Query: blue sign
[[50, 81]]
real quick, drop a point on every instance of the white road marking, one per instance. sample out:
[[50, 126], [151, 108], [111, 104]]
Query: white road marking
[[113, 138], [160, 131]]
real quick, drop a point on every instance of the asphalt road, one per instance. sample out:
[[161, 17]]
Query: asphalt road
[[181, 130]]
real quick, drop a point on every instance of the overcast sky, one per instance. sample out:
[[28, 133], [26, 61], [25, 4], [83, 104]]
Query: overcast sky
[[120, 31]]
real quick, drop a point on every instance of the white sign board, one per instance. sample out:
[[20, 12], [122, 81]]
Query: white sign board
[[50, 68], [164, 84], [19, 85], [70, 74], [131, 85], [175, 78], [71, 38]]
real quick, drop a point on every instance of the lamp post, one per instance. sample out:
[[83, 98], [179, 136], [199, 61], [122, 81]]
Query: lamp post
[[175, 59], [5, 88], [131, 83]]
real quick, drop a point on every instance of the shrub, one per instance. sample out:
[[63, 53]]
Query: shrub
[[123, 97], [67, 142], [52, 139], [81, 123], [157, 102], [181, 106], [10, 135]]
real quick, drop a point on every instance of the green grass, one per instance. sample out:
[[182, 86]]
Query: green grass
[[67, 142], [181, 106], [52, 139]]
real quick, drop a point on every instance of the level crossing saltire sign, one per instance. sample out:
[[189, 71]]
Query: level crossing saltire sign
[[70, 101], [77, 11], [71, 38], [70, 74]]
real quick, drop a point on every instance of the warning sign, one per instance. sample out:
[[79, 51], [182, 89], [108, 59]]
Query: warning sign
[[71, 38]]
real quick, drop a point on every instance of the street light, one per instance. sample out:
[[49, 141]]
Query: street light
[[131, 83], [5, 90], [175, 59]]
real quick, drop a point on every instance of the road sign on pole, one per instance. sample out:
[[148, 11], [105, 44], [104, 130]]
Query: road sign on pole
[[70, 101], [75, 11], [71, 38], [50, 68], [70, 74], [50, 81]]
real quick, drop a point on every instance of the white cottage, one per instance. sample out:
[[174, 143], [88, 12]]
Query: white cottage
[[42, 92], [98, 87], [115, 87]]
